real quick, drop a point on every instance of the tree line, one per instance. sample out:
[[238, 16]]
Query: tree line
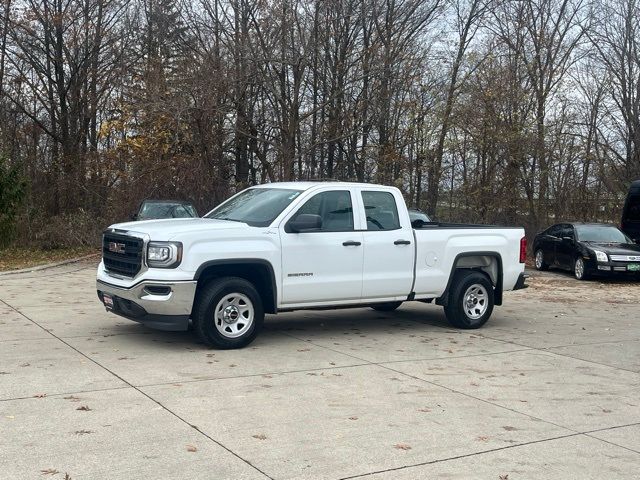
[[509, 111]]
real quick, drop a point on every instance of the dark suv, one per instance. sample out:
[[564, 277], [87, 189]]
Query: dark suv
[[155, 209], [631, 212]]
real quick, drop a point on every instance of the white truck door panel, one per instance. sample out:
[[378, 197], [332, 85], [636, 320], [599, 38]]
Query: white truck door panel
[[323, 265], [389, 246]]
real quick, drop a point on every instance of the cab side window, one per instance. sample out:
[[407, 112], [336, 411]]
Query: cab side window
[[333, 207], [381, 211]]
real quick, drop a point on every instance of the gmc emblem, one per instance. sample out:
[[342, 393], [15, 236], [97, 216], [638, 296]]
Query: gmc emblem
[[116, 247]]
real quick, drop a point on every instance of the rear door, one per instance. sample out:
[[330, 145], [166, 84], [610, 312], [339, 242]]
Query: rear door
[[323, 266], [565, 248], [549, 242], [389, 245]]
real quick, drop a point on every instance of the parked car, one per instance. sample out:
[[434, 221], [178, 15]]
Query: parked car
[[302, 245], [630, 223], [587, 249], [418, 217], [158, 209]]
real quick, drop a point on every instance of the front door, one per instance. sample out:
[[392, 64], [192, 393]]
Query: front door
[[323, 265]]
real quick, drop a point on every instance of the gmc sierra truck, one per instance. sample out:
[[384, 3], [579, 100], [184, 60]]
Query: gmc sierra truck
[[303, 245]]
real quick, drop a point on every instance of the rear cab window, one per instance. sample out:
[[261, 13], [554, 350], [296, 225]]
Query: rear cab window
[[380, 210]]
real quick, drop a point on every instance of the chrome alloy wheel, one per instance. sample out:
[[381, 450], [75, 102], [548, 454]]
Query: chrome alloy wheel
[[579, 269], [539, 259], [234, 315], [475, 301]]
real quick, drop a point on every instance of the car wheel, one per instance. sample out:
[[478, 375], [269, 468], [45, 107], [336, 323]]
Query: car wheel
[[228, 313], [579, 269], [470, 300], [539, 260], [386, 307]]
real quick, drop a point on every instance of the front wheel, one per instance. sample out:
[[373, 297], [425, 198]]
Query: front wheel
[[470, 300], [580, 270], [228, 313]]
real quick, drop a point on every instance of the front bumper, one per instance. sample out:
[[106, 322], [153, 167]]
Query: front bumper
[[612, 268], [156, 304]]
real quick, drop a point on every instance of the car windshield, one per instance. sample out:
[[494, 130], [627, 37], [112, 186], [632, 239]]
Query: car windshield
[[167, 210], [257, 207], [601, 234], [418, 215]]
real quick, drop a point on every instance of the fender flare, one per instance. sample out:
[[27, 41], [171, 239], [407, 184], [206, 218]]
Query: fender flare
[[443, 300]]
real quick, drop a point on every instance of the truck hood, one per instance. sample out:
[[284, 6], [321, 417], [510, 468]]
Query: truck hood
[[168, 229]]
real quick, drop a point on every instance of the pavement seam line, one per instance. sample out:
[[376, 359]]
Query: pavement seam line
[[547, 350], [458, 457], [145, 394], [612, 443], [382, 365]]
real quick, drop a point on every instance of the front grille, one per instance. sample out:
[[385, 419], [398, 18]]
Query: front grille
[[122, 254], [625, 258]]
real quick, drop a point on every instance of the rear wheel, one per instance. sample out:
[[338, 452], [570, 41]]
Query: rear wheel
[[386, 307], [540, 263], [470, 300], [228, 313]]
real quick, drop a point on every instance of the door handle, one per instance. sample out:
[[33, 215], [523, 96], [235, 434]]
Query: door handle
[[351, 243], [402, 242]]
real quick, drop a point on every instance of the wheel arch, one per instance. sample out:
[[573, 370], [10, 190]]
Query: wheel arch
[[258, 271], [487, 262]]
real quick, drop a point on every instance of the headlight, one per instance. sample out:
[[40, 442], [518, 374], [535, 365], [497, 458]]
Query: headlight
[[164, 254], [601, 256]]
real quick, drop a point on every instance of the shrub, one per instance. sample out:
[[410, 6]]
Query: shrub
[[13, 189]]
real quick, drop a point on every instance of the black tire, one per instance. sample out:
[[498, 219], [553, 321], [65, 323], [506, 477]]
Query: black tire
[[210, 296], [539, 262], [386, 307], [462, 286], [580, 273]]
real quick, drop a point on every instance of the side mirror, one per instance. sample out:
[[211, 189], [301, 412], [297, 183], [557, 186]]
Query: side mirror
[[305, 222]]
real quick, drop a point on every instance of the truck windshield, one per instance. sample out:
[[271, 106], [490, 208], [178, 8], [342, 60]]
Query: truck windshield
[[257, 207], [600, 234]]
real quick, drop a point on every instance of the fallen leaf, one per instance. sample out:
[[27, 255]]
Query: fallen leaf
[[192, 448], [83, 432], [353, 418], [425, 410], [509, 429], [304, 349], [84, 408], [40, 395], [73, 398], [402, 446], [482, 438], [260, 436], [504, 477], [49, 471]]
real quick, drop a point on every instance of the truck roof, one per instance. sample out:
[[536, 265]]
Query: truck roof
[[308, 185]]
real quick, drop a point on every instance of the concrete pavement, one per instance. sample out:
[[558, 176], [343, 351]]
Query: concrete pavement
[[549, 388]]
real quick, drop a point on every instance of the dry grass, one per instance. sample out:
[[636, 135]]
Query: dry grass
[[15, 258]]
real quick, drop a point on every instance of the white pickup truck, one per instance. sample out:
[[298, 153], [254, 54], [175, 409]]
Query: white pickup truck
[[303, 245]]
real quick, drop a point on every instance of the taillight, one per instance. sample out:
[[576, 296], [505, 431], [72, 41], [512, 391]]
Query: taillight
[[523, 249]]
